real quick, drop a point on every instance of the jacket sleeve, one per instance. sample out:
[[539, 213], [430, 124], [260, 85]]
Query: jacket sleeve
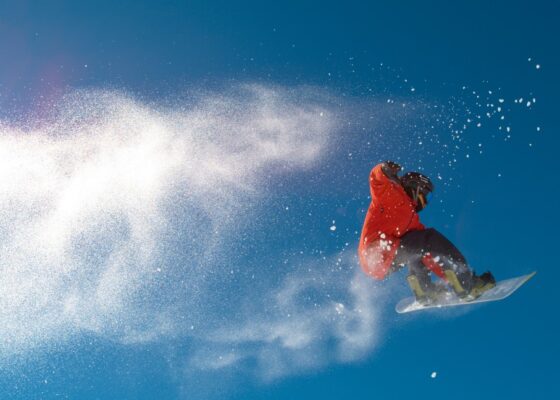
[[379, 182], [397, 211]]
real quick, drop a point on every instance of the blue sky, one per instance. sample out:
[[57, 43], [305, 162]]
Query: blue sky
[[184, 184]]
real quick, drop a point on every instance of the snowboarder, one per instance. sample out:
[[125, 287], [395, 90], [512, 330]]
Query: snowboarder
[[393, 236]]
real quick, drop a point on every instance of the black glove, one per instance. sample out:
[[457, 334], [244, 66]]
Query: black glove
[[391, 169]]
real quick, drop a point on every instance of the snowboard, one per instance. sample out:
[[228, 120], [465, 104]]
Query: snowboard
[[502, 290]]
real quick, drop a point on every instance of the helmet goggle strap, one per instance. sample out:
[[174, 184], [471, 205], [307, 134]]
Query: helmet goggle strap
[[424, 199]]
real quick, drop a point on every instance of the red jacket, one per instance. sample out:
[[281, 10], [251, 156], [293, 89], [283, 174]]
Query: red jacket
[[390, 215]]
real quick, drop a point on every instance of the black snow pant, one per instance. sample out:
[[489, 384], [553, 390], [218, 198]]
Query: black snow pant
[[414, 245]]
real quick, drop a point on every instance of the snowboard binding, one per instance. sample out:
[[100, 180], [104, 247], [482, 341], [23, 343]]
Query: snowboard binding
[[480, 285]]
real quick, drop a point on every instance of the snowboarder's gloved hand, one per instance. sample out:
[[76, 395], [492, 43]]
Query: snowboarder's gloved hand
[[391, 169]]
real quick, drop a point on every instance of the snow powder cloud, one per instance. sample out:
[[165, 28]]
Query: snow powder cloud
[[325, 312], [114, 214]]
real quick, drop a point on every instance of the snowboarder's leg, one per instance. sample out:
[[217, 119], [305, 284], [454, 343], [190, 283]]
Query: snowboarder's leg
[[420, 281], [461, 278], [409, 253], [454, 264], [430, 242]]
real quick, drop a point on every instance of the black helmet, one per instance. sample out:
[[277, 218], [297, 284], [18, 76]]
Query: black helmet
[[418, 187]]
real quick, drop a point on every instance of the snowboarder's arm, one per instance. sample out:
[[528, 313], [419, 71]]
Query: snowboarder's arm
[[382, 177], [391, 169]]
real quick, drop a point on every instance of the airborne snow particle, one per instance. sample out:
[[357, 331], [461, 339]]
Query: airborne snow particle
[[538, 66], [339, 307], [434, 374], [333, 228]]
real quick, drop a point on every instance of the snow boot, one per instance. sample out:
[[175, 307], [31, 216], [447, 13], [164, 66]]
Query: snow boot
[[419, 292], [482, 283], [456, 284], [425, 295]]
